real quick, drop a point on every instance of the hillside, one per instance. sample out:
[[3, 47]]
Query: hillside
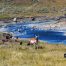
[[19, 8]]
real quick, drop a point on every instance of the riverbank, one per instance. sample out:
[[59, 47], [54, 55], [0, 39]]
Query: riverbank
[[13, 54], [29, 18]]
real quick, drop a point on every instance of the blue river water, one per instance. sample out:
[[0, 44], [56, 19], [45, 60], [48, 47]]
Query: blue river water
[[22, 30]]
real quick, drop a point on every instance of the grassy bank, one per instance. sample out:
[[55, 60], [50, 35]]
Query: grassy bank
[[13, 54]]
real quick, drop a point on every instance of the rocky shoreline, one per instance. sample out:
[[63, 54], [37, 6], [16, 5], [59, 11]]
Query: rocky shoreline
[[60, 20], [57, 18]]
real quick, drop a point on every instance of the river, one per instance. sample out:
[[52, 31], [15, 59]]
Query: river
[[40, 29]]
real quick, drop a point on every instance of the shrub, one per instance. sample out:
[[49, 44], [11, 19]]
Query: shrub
[[43, 10]]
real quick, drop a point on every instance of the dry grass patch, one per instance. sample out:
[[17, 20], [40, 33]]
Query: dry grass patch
[[21, 55]]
